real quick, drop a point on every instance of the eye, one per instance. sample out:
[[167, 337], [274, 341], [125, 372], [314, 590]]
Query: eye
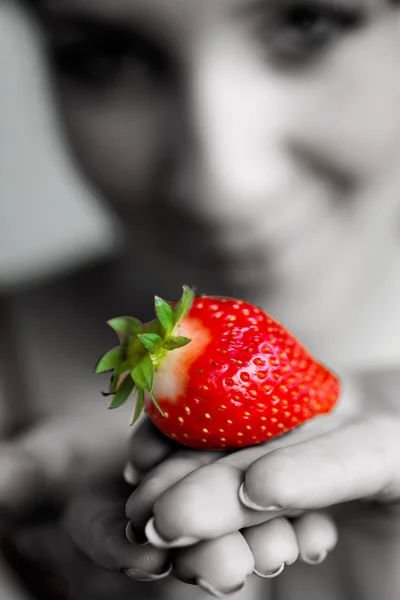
[[302, 31], [101, 59], [314, 26]]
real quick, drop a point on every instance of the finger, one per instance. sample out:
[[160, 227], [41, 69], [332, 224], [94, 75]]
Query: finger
[[220, 567], [273, 545], [96, 522], [356, 462], [179, 518], [157, 448], [139, 508], [348, 409], [317, 535], [202, 506]]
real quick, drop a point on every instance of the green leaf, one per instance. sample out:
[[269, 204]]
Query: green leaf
[[165, 314], [123, 392], [126, 325], [109, 361], [152, 327], [151, 341], [157, 404], [139, 406], [176, 342], [143, 373], [184, 305]]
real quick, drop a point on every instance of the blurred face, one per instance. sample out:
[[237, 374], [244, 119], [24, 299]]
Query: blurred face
[[241, 137]]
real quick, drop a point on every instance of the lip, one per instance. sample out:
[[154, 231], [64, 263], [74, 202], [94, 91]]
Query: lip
[[213, 249], [232, 259]]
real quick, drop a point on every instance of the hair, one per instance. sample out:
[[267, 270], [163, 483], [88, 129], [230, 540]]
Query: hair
[[32, 7], [30, 4]]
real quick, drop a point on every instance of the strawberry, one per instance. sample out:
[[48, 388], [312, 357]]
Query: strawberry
[[217, 373]]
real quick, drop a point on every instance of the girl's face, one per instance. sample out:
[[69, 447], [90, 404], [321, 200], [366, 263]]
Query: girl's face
[[242, 134]]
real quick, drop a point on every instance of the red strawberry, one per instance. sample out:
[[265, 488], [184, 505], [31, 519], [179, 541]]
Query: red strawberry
[[216, 373]]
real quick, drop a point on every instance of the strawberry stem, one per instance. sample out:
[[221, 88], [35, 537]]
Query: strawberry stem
[[142, 348]]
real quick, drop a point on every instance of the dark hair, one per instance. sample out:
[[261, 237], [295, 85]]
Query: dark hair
[[30, 4]]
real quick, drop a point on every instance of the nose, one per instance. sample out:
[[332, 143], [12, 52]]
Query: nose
[[230, 156]]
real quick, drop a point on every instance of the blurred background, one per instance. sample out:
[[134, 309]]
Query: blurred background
[[276, 183], [50, 221]]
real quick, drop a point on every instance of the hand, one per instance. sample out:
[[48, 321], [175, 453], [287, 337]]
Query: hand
[[51, 566], [47, 462], [97, 524], [352, 454]]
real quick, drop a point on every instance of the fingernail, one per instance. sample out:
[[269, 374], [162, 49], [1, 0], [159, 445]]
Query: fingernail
[[271, 574], [134, 537], [131, 475], [210, 589], [244, 499], [156, 540], [315, 559], [139, 575]]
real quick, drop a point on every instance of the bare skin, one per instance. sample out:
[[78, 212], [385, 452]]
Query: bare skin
[[268, 144]]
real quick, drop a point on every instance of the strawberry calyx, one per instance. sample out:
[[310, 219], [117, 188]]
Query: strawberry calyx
[[142, 348]]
